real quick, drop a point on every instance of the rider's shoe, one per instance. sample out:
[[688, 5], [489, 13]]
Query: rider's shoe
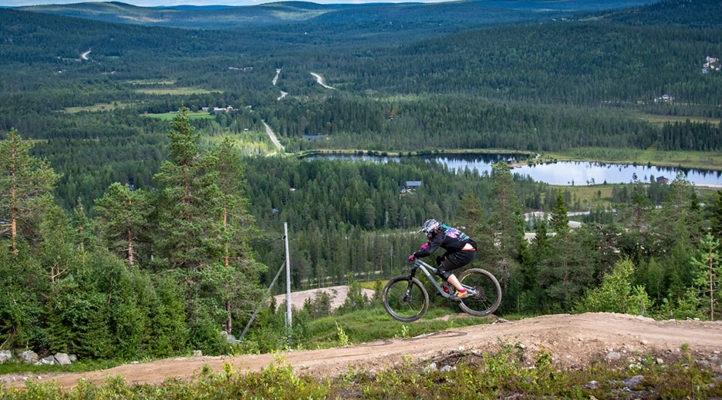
[[460, 294]]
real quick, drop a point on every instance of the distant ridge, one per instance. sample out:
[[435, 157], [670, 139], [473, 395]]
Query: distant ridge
[[217, 7], [684, 13], [293, 12]]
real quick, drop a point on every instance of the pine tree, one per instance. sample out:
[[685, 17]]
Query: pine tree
[[58, 251], [25, 186], [238, 288], [123, 213]]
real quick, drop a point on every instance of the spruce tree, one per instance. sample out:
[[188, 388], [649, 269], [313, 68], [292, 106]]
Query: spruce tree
[[506, 230], [84, 238], [471, 215], [559, 220], [707, 266], [569, 268], [505, 215], [189, 203], [168, 318], [93, 339], [715, 216]]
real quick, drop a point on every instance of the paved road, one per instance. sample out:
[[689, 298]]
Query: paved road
[[272, 135]]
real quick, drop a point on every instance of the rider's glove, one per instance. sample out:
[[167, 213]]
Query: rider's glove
[[411, 258], [424, 246]]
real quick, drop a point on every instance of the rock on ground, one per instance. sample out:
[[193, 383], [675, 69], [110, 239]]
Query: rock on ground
[[62, 359], [29, 356]]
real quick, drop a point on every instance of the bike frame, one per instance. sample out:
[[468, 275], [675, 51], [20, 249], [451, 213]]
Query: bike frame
[[418, 264]]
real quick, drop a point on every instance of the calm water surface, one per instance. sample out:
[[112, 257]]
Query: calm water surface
[[559, 173]]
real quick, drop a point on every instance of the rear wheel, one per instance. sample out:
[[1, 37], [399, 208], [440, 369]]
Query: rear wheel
[[486, 292], [405, 300]]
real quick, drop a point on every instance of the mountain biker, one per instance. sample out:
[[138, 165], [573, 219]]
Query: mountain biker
[[460, 251]]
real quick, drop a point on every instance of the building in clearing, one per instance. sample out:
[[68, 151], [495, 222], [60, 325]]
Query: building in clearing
[[410, 186]]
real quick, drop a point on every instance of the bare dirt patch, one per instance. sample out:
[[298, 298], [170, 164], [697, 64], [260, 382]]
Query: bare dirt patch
[[338, 295], [571, 340]]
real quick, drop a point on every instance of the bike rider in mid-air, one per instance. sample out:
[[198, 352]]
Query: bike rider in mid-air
[[460, 251]]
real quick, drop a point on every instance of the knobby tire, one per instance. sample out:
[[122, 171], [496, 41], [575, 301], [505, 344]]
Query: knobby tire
[[488, 292], [402, 307]]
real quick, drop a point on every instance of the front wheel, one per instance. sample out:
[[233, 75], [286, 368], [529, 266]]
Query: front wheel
[[485, 289], [405, 299]]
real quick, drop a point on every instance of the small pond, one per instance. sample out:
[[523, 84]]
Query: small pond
[[559, 173]]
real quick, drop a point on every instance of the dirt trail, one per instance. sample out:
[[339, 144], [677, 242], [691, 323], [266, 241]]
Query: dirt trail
[[572, 340]]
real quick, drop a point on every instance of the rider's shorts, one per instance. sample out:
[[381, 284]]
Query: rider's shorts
[[452, 261]]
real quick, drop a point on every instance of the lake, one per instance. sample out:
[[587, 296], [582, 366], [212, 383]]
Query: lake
[[559, 173]]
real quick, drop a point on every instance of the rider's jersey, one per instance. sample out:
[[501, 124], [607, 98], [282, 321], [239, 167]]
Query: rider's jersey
[[451, 239]]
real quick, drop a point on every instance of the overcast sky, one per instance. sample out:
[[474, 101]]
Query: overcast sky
[[153, 3]]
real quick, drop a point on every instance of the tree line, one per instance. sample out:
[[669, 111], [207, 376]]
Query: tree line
[[155, 273], [159, 271]]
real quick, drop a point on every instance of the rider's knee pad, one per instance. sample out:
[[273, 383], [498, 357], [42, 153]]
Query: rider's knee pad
[[443, 273]]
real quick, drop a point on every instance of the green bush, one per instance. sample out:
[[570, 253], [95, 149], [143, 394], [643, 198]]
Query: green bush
[[616, 293]]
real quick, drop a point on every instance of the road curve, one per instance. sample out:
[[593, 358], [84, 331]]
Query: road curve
[[319, 79]]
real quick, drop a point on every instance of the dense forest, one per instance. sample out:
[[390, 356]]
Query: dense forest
[[159, 272], [136, 221]]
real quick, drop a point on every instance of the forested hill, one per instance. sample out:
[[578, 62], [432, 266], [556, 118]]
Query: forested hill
[[446, 14], [673, 13], [550, 86], [194, 18]]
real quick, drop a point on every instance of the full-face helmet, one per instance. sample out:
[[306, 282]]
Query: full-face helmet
[[430, 226]]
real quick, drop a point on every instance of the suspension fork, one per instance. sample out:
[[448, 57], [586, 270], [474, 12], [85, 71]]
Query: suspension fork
[[412, 275]]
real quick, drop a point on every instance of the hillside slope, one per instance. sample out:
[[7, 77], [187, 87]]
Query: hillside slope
[[572, 340]]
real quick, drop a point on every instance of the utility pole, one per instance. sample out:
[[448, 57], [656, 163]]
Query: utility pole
[[288, 281]]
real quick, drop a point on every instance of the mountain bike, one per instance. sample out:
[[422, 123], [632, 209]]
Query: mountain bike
[[406, 299]]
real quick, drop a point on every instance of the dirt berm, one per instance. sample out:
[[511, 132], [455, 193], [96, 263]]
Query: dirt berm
[[572, 340]]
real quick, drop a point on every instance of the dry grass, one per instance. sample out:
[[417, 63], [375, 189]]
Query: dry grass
[[98, 107]]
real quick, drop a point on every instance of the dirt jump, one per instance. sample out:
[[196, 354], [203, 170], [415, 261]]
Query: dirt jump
[[571, 340]]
